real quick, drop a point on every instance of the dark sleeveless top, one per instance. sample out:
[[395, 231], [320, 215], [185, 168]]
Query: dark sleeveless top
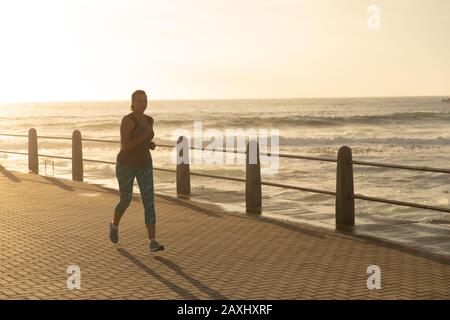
[[139, 156]]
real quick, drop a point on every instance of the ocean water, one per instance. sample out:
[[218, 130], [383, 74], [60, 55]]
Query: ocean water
[[413, 131]]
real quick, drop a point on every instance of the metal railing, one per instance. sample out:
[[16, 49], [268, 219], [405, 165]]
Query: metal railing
[[344, 193]]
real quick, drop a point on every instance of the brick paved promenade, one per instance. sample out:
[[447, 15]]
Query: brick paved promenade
[[47, 224]]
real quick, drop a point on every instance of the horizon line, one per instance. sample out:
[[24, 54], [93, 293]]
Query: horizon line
[[229, 99]]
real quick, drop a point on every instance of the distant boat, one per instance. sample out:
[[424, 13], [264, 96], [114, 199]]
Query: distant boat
[[446, 100]]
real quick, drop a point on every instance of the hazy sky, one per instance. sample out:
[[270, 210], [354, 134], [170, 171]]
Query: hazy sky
[[54, 50]]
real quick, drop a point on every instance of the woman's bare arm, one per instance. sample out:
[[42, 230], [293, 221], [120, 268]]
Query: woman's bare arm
[[151, 144]]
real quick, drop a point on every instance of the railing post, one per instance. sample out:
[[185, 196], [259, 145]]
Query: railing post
[[77, 156], [345, 203], [183, 171], [33, 158], [253, 194]]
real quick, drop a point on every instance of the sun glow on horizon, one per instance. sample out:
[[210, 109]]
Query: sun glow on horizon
[[198, 49]]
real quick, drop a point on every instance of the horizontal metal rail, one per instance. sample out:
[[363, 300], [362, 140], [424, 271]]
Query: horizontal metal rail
[[280, 185], [87, 160], [98, 161], [13, 135], [202, 175], [217, 177], [26, 136], [14, 152], [268, 154], [400, 166], [99, 140], [194, 174], [401, 203]]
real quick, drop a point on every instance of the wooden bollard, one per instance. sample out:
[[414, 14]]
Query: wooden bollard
[[345, 203], [183, 171], [77, 156], [33, 157], [253, 196]]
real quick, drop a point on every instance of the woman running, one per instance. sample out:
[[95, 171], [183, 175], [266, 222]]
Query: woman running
[[135, 160]]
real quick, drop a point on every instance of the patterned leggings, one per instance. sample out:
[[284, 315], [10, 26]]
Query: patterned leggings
[[144, 175]]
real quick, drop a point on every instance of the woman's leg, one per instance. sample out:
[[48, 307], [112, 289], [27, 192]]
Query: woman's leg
[[125, 176], [151, 231], [144, 177], [145, 180]]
